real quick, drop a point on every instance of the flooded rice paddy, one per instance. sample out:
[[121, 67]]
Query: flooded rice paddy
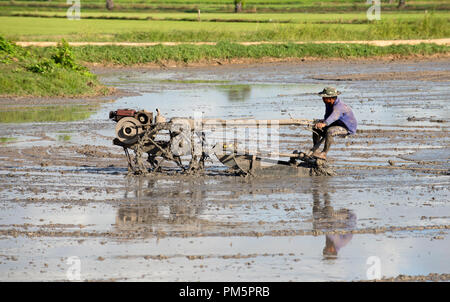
[[64, 194]]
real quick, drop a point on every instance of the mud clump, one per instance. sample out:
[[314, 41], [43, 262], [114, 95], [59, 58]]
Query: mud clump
[[323, 171], [425, 119], [94, 151], [419, 278], [436, 76], [322, 168]]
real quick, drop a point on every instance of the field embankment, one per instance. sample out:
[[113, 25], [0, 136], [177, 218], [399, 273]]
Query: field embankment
[[55, 72], [223, 51]]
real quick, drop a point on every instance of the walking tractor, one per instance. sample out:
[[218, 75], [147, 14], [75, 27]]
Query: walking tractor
[[169, 142]]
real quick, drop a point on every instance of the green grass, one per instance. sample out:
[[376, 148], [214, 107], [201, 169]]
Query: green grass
[[30, 72], [5, 140], [353, 17], [227, 6], [63, 138], [47, 114], [200, 2], [123, 55], [59, 83], [395, 27]]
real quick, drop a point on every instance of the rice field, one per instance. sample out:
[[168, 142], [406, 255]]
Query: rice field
[[262, 27]]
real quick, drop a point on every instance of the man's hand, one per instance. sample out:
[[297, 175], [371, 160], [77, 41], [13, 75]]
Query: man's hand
[[320, 125]]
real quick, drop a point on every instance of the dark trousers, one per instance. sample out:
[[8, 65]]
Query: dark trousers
[[327, 133]]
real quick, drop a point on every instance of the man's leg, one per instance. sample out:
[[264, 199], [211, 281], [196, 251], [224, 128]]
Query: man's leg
[[330, 133], [317, 137], [328, 142]]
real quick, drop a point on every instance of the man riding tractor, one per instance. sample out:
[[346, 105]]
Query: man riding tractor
[[338, 120]]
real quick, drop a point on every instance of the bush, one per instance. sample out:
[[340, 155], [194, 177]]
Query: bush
[[64, 57], [8, 47], [45, 66], [44, 72], [9, 51]]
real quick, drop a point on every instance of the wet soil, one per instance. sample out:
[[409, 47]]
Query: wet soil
[[63, 198], [245, 62], [434, 76]]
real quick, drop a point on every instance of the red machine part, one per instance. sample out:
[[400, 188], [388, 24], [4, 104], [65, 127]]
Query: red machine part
[[121, 113]]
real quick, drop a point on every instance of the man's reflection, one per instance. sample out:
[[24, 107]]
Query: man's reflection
[[325, 218]]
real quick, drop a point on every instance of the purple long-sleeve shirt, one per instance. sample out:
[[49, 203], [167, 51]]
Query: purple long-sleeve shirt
[[340, 111]]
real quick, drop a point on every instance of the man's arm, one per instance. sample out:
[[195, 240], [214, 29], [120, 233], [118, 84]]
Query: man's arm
[[334, 116], [320, 125]]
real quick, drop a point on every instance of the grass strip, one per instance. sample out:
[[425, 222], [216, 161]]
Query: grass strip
[[228, 6], [428, 26], [128, 55]]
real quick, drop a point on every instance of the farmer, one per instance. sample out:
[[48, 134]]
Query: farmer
[[339, 120]]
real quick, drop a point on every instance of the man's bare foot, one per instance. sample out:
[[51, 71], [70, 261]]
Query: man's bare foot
[[310, 152], [321, 155]]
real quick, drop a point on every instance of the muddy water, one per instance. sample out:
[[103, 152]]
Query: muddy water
[[63, 192]]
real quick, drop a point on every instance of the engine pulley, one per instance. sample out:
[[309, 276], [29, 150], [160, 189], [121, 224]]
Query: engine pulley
[[128, 130]]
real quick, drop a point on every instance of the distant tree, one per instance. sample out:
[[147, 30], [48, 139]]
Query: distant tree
[[109, 4], [401, 3], [238, 4]]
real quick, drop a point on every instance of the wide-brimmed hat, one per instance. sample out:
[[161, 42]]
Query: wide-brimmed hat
[[329, 92]]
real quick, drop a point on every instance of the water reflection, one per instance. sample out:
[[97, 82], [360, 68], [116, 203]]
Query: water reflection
[[47, 113], [326, 218], [211, 206], [238, 93], [187, 205]]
